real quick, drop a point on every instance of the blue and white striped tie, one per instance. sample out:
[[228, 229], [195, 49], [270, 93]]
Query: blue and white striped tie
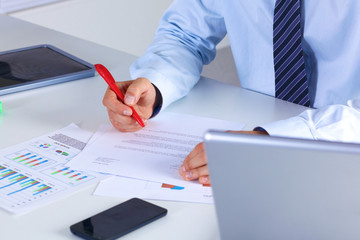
[[290, 76]]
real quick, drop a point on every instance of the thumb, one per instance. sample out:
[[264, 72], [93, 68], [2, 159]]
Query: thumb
[[135, 90]]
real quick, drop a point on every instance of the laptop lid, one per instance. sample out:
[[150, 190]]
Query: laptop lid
[[279, 188]]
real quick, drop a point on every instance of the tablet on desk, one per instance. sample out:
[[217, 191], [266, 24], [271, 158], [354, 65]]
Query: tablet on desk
[[38, 66]]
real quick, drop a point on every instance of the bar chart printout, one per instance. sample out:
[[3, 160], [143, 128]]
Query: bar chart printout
[[18, 188], [30, 159], [33, 173], [68, 175]]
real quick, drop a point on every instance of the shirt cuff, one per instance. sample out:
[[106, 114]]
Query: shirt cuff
[[166, 87], [158, 102], [294, 127]]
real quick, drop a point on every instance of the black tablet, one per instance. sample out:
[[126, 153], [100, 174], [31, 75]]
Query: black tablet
[[38, 66]]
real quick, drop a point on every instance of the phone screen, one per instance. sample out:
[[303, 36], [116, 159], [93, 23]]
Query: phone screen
[[118, 220]]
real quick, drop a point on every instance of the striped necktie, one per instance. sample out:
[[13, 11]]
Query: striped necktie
[[290, 76]]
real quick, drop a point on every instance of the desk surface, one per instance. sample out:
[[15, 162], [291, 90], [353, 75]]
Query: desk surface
[[36, 112]]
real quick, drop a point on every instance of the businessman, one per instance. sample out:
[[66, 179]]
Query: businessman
[[302, 51]]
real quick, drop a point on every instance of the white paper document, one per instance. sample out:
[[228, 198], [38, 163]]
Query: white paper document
[[33, 173], [154, 153], [123, 187]]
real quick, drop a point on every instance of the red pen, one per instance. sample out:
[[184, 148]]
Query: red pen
[[106, 75]]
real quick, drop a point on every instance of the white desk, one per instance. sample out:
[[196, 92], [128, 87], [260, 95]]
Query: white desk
[[33, 113]]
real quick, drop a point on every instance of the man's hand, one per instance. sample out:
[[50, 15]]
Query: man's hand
[[195, 164], [140, 94]]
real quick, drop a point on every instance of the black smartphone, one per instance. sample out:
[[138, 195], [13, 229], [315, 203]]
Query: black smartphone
[[119, 220]]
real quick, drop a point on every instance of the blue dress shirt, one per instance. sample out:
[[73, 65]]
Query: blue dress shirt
[[190, 29]]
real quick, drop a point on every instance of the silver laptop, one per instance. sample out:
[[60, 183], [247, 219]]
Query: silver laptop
[[278, 188]]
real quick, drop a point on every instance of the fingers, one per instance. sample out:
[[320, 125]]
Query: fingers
[[195, 165], [138, 88], [140, 94], [112, 103], [124, 123], [119, 113]]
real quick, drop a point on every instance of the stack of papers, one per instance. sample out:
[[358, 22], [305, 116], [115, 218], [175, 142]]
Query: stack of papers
[[140, 164], [145, 163], [33, 173]]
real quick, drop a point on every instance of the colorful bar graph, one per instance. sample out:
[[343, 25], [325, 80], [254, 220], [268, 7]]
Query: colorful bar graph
[[30, 159], [39, 163], [42, 188], [68, 172], [59, 171], [7, 173], [81, 178], [75, 175], [24, 155], [67, 175], [18, 188], [173, 187], [25, 185], [30, 162], [62, 153], [25, 159], [33, 173], [18, 177], [14, 180]]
